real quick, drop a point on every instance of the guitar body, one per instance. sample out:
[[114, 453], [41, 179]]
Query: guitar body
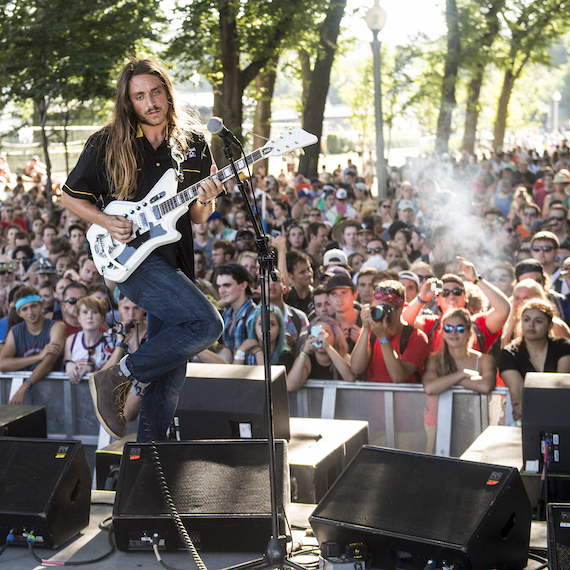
[[151, 229], [154, 217]]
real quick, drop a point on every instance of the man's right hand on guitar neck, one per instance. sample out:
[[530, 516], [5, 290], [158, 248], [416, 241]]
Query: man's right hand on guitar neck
[[120, 228]]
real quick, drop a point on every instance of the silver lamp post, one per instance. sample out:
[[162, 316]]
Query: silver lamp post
[[195, 79], [376, 20], [556, 97]]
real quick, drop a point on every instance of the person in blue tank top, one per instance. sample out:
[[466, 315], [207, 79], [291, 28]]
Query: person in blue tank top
[[35, 344]]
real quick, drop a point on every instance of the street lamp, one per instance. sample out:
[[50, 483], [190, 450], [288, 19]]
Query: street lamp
[[195, 79], [556, 97], [376, 20]]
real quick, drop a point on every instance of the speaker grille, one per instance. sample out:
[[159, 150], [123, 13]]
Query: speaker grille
[[27, 464], [200, 487], [405, 495]]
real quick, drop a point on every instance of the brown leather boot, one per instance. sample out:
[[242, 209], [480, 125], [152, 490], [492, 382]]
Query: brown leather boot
[[109, 389]]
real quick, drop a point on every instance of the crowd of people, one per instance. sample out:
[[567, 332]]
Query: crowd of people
[[461, 276]]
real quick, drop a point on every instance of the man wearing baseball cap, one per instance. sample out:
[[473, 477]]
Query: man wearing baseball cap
[[342, 298], [35, 344]]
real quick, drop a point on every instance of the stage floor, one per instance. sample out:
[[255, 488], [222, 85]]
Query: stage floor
[[93, 543]]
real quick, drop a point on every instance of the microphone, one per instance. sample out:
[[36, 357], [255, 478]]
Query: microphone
[[216, 127]]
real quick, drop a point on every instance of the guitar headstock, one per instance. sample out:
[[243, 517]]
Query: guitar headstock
[[287, 142]]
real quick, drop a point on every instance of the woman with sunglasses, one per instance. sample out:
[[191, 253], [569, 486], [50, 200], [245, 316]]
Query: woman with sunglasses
[[456, 364], [535, 349]]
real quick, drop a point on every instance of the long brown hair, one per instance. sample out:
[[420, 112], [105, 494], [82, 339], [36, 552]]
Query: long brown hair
[[542, 305], [122, 154], [445, 363]]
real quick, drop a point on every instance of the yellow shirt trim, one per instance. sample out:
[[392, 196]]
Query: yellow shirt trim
[[78, 192]]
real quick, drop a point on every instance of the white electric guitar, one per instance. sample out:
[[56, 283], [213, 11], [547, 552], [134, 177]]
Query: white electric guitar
[[154, 218]]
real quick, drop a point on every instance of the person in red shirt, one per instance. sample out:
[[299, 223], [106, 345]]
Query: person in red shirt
[[8, 217], [378, 351], [488, 324]]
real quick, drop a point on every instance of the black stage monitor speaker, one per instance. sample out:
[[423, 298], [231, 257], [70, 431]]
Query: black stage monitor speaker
[[219, 488], [545, 417], [219, 401], [409, 508], [45, 489], [558, 528], [23, 421]]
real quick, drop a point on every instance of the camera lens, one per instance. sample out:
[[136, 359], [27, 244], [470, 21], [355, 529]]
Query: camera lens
[[377, 313]]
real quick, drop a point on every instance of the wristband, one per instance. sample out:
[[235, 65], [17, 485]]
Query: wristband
[[239, 355], [206, 203], [420, 300], [303, 355], [384, 340], [477, 279], [122, 345], [29, 382], [65, 363]]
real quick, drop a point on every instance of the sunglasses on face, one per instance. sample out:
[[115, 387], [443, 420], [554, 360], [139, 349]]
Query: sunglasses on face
[[532, 214], [542, 248], [423, 277], [456, 292], [374, 249], [73, 300], [5, 273], [457, 328], [557, 218], [501, 278]]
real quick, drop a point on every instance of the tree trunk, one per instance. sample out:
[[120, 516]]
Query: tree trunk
[[472, 111], [503, 109], [314, 111], [452, 56], [474, 87], [265, 83], [42, 109], [305, 61]]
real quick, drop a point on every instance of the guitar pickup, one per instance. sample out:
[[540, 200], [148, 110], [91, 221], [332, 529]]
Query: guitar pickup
[[141, 222]]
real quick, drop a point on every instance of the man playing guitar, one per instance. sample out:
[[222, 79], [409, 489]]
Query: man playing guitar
[[148, 135]]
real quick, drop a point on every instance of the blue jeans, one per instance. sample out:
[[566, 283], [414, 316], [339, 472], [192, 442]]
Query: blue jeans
[[181, 323]]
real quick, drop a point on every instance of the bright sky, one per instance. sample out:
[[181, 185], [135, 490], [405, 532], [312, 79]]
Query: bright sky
[[404, 18]]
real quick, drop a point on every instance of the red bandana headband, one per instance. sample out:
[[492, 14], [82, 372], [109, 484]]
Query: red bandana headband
[[386, 296]]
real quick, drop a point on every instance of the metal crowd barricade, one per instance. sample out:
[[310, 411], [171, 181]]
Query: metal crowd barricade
[[402, 416], [399, 415]]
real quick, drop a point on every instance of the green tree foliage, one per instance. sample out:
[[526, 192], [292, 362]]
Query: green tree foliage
[[230, 42], [530, 27], [57, 52]]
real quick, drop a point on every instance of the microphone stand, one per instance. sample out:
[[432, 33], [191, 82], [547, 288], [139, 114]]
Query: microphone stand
[[275, 553]]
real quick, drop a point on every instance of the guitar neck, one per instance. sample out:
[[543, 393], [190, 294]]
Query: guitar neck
[[192, 192]]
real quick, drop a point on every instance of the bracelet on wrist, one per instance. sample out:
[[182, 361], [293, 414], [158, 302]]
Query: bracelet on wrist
[[420, 300], [206, 203], [239, 355], [384, 340], [29, 382], [65, 363], [303, 355], [477, 278], [122, 345]]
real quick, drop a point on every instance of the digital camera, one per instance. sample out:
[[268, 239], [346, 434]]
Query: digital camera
[[379, 312]]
